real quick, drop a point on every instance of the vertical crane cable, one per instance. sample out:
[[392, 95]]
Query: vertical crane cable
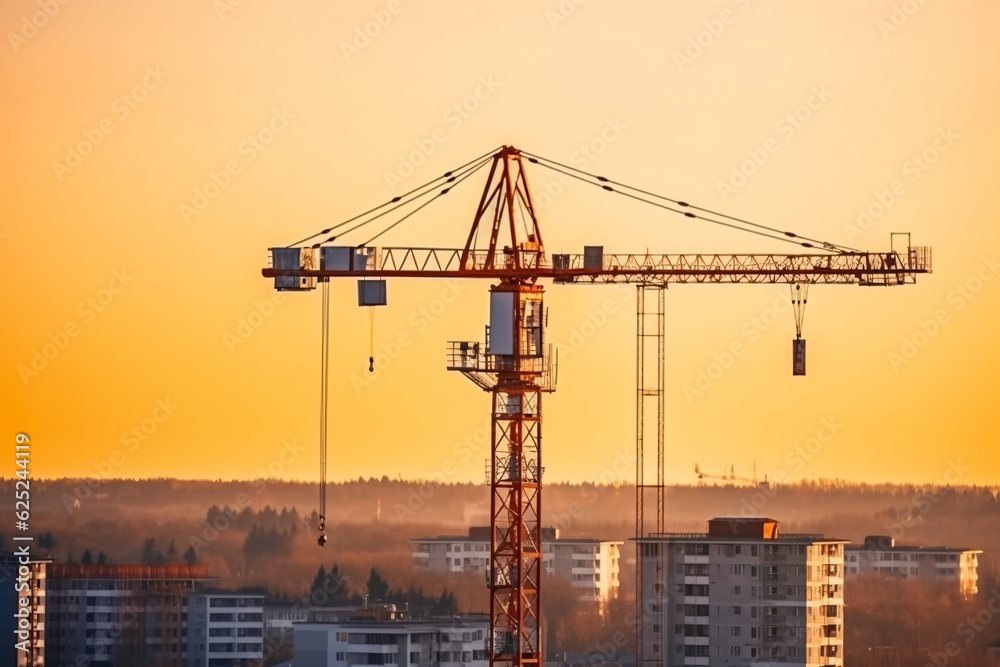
[[371, 339], [800, 294], [324, 400]]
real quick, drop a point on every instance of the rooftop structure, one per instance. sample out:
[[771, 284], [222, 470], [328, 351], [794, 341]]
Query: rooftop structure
[[392, 639]]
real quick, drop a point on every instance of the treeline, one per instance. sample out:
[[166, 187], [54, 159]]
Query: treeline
[[329, 588]]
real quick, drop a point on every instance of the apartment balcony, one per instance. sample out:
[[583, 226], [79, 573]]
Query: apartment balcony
[[832, 632], [695, 660], [373, 648]]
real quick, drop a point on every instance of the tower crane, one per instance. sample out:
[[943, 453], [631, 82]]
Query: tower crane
[[515, 364], [731, 477]]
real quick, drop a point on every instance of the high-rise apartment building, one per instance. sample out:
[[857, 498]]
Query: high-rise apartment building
[[224, 628], [23, 587], [742, 594], [100, 615]]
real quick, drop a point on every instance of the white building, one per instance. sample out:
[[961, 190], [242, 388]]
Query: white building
[[882, 556], [279, 618], [590, 565], [459, 642], [224, 627], [741, 594]]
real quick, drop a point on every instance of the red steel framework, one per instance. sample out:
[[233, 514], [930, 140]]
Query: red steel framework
[[514, 364]]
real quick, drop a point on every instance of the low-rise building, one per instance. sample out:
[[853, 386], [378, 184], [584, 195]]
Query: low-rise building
[[388, 637], [590, 565], [881, 555]]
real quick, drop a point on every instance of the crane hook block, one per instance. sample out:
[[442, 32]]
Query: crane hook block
[[371, 364], [799, 356]]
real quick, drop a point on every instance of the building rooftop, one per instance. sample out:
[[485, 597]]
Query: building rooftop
[[741, 529], [464, 619], [239, 592], [912, 547], [888, 543], [482, 534], [786, 538]]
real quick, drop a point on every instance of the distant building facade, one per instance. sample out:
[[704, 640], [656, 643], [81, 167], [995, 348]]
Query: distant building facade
[[993, 651], [278, 619], [741, 594], [590, 565], [224, 628], [392, 639], [882, 556], [23, 585], [101, 615]]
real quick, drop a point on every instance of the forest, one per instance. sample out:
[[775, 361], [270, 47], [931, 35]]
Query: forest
[[262, 533]]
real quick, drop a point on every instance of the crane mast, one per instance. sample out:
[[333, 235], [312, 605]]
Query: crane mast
[[514, 363]]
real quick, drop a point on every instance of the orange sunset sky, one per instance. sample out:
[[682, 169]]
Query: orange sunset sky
[[153, 152]]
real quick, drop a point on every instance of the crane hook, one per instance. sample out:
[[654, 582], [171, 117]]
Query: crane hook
[[371, 340]]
